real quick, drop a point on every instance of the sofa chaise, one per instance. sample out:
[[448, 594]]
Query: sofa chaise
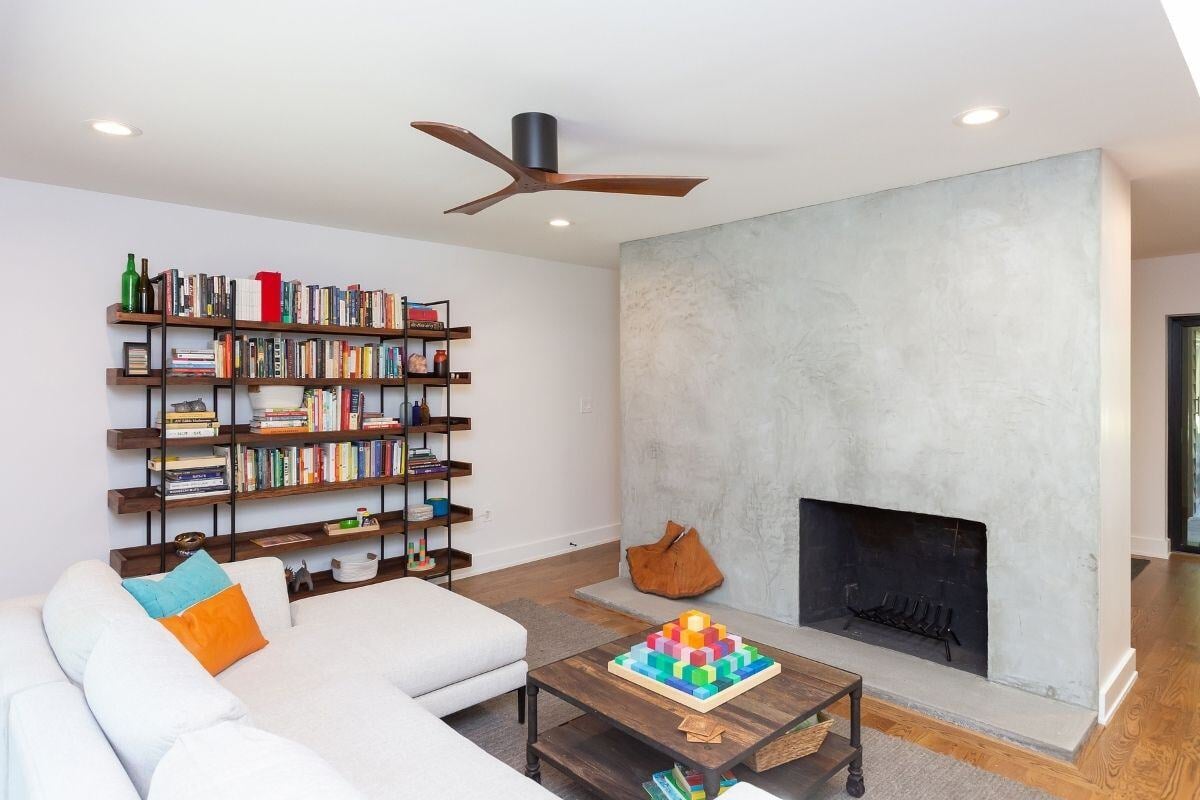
[[97, 700]]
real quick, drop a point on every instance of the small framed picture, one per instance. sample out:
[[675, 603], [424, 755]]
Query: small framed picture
[[137, 359]]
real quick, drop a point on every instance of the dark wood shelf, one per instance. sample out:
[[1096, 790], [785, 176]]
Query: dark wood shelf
[[148, 438], [115, 376], [140, 499], [118, 317], [614, 764], [389, 569], [131, 562]]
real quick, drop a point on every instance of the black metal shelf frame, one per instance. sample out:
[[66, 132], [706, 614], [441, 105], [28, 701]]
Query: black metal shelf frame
[[163, 446]]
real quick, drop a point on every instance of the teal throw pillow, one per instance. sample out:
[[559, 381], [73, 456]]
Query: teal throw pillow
[[198, 578]]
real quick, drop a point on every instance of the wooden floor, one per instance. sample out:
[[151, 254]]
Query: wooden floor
[[1150, 749]]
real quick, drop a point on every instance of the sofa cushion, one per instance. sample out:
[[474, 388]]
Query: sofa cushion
[[386, 744], [58, 752], [263, 583], [389, 617], [234, 761], [85, 599], [26, 660], [195, 579], [266, 590], [296, 658], [146, 691], [219, 631]]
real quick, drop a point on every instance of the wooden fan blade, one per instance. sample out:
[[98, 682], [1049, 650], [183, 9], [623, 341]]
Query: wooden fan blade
[[475, 206], [662, 185], [468, 142]]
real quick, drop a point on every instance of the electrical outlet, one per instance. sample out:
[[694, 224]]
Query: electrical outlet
[[585, 405]]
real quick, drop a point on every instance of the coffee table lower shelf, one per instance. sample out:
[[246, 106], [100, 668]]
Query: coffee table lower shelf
[[614, 765]]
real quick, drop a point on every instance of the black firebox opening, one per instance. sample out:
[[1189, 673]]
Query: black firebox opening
[[917, 581]]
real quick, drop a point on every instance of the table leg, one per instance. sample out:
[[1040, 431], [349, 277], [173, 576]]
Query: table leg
[[712, 784], [854, 781], [533, 767]]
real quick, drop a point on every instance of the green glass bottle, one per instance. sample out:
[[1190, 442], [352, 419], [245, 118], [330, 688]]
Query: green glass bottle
[[129, 286]]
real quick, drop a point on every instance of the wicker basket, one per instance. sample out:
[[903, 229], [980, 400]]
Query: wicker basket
[[353, 569], [792, 746]]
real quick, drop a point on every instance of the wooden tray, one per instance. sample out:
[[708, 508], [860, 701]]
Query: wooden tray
[[333, 529]]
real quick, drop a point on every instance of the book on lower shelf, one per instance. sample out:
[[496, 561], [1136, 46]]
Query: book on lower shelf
[[423, 461], [681, 783], [189, 476], [269, 467]]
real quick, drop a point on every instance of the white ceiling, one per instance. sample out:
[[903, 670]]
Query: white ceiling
[[300, 110]]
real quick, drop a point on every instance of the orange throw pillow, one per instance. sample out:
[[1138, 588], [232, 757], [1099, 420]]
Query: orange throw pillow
[[219, 631], [674, 566]]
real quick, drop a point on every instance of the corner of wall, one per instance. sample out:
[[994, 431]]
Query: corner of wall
[[1114, 544]]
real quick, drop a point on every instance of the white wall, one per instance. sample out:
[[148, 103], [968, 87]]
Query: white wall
[[932, 348], [1162, 287], [545, 335], [1117, 660]]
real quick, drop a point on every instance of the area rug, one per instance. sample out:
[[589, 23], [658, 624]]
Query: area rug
[[1137, 565], [895, 769]]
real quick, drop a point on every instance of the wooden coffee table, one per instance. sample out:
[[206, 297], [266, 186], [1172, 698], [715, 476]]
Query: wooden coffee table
[[628, 733]]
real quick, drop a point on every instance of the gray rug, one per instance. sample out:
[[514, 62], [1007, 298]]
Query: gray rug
[[895, 769]]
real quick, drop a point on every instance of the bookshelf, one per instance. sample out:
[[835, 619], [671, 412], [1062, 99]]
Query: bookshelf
[[227, 543]]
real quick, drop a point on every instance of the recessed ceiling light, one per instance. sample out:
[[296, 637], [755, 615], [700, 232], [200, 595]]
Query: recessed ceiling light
[[559, 222], [113, 128], [983, 115]]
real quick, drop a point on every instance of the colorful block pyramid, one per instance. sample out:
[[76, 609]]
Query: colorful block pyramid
[[695, 656]]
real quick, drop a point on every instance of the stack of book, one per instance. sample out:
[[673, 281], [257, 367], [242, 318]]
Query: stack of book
[[682, 783], [376, 421], [195, 363], [424, 318], [422, 461], [190, 424], [280, 420], [190, 476]]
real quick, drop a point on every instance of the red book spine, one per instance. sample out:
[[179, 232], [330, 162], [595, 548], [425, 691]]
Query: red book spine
[[272, 293]]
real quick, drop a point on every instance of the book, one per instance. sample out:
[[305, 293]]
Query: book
[[197, 493], [192, 433], [184, 462], [191, 484]]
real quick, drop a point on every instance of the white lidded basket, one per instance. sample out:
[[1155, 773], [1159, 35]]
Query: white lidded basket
[[353, 569]]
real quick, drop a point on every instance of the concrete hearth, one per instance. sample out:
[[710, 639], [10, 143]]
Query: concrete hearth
[[1049, 726]]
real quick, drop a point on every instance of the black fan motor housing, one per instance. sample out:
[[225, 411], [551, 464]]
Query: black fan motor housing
[[535, 141]]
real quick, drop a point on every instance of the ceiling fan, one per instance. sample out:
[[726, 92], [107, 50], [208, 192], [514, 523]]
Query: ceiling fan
[[534, 165]]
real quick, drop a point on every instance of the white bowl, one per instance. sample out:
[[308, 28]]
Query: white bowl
[[262, 397]]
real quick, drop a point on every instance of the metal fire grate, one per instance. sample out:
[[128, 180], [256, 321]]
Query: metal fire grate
[[920, 616]]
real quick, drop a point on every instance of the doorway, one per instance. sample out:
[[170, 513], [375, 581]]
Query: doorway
[[1183, 432]]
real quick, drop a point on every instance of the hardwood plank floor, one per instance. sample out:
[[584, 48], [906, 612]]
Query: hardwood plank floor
[[1150, 749]]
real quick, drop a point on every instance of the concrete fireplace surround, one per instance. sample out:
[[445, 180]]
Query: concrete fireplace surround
[[956, 348]]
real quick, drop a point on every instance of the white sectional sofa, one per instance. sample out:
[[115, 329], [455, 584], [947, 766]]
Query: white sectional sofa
[[99, 701]]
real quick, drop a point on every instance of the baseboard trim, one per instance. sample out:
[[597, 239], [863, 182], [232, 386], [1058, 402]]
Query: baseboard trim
[[543, 548], [1117, 686], [1149, 547]]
